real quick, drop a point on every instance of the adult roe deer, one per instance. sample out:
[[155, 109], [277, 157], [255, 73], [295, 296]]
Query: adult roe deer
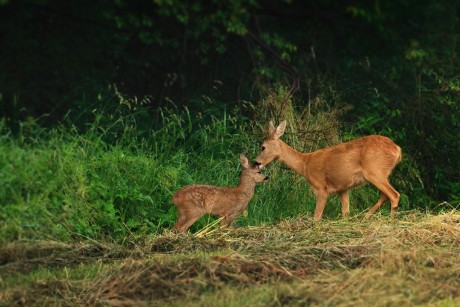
[[194, 201], [338, 168]]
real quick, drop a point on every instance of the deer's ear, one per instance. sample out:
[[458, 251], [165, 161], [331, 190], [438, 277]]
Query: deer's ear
[[280, 130], [244, 161], [271, 129]]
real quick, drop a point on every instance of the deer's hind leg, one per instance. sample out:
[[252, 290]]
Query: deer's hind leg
[[387, 192], [345, 200], [186, 219], [383, 198]]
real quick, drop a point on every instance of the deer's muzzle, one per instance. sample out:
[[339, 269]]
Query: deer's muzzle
[[257, 164]]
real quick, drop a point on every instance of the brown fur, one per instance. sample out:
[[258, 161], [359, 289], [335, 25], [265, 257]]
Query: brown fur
[[194, 201], [338, 168]]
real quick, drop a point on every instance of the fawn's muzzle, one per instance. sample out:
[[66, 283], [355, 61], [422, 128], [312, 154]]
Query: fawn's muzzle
[[266, 178]]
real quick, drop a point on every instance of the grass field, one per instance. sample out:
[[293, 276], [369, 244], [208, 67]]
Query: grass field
[[115, 179], [85, 218], [412, 260]]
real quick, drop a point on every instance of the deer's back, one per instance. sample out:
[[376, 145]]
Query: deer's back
[[345, 165], [209, 198]]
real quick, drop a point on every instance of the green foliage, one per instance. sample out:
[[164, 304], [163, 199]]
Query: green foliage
[[106, 181], [115, 179]]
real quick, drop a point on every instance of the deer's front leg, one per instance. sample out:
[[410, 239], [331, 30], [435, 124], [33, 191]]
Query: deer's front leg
[[321, 199]]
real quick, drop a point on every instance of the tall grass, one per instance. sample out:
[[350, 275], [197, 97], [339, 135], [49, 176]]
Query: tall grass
[[115, 178]]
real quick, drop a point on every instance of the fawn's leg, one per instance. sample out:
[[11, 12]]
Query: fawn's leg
[[180, 220], [227, 221], [188, 222], [186, 219]]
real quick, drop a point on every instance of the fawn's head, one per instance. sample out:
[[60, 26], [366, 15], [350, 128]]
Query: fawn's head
[[271, 148], [252, 171]]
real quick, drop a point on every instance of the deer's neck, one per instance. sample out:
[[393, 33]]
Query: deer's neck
[[246, 185], [293, 159]]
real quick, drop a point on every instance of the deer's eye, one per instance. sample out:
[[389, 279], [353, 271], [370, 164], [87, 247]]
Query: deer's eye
[[262, 148]]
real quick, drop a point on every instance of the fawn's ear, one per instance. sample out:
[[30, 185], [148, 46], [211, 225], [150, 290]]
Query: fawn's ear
[[279, 130], [244, 161]]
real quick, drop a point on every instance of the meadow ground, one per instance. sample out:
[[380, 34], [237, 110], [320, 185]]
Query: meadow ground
[[412, 260]]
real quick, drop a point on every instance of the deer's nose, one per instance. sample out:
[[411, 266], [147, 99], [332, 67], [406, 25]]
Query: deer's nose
[[256, 164], [266, 178]]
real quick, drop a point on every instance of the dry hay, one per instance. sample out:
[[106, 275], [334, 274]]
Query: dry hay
[[169, 280], [414, 259], [26, 256]]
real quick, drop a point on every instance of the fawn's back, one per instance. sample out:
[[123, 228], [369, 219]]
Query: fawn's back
[[207, 199]]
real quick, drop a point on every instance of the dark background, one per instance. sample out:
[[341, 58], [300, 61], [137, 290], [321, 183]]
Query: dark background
[[395, 63]]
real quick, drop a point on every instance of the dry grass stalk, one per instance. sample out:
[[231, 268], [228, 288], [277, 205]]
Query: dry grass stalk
[[413, 260]]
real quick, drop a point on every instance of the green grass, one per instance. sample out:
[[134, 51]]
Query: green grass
[[115, 180], [113, 176], [86, 212], [110, 182], [85, 217]]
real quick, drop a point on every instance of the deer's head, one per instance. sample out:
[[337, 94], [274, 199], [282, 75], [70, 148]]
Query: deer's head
[[271, 147], [252, 170]]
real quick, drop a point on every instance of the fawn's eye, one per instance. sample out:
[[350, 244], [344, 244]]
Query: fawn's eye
[[262, 148]]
